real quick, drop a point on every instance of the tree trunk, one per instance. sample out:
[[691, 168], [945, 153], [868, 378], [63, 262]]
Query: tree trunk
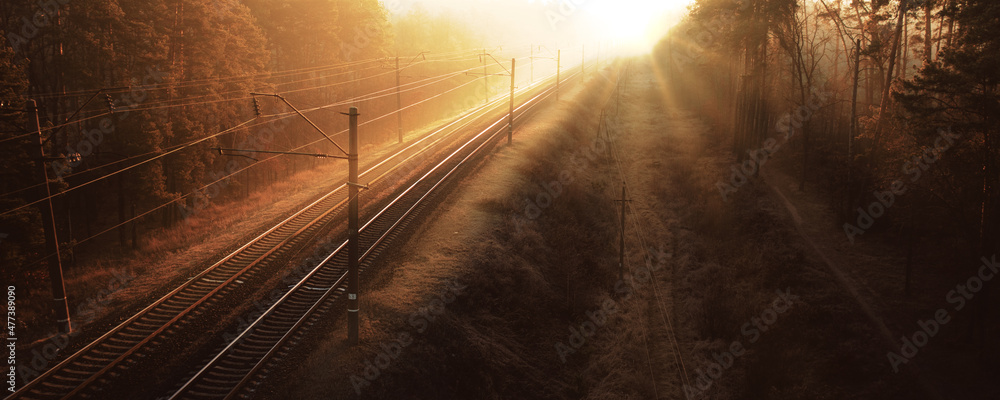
[[928, 31], [904, 55], [887, 84], [951, 27]]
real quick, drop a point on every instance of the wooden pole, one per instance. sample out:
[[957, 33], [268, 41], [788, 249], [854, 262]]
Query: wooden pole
[[51, 236]]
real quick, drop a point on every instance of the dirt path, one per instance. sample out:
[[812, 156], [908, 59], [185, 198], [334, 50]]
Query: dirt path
[[107, 288], [646, 128], [850, 284], [477, 303], [730, 259], [435, 263]]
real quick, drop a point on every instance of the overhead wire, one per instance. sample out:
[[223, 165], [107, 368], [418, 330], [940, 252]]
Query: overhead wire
[[644, 244], [220, 81], [148, 107], [229, 79], [361, 98], [247, 124], [200, 140], [230, 175], [85, 184], [211, 81]]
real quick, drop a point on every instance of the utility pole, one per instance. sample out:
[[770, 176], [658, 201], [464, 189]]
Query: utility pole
[[510, 123], [51, 236], [621, 242], [399, 106], [353, 284], [351, 154], [558, 67], [486, 78], [513, 66], [399, 101]]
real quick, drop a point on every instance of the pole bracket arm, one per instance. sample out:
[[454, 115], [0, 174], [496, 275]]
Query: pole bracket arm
[[358, 185]]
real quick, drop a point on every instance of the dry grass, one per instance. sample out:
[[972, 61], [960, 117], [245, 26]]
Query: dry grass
[[526, 286], [166, 253], [738, 254], [528, 281], [163, 254]]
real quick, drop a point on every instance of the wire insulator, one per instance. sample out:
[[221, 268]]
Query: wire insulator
[[110, 102]]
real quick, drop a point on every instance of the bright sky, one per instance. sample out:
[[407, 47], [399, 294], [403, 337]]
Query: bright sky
[[636, 22], [636, 25]]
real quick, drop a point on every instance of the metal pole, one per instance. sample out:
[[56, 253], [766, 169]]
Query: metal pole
[[352, 230], [305, 118], [399, 106], [51, 236], [510, 123], [532, 64], [558, 67], [486, 78]]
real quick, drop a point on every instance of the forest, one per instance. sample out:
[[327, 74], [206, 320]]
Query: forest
[[132, 96], [133, 132], [880, 119], [889, 108]]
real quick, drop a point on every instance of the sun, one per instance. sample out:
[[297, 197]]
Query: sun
[[635, 24]]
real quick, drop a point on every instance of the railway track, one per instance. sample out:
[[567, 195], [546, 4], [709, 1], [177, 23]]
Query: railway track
[[233, 372], [89, 371]]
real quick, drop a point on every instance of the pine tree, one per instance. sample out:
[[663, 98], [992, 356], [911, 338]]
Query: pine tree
[[20, 232], [960, 90]]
